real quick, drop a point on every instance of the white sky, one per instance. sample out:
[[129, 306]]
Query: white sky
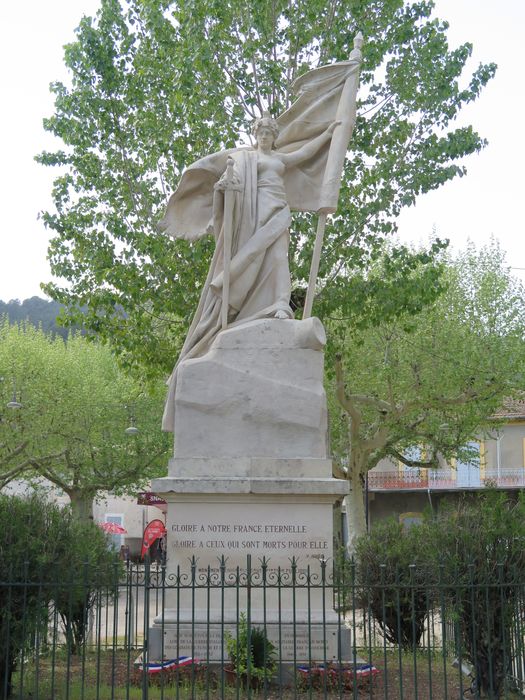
[[488, 201]]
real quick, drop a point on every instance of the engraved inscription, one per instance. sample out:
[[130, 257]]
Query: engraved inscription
[[210, 531], [242, 537], [206, 643]]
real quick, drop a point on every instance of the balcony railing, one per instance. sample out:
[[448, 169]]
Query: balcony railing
[[446, 479]]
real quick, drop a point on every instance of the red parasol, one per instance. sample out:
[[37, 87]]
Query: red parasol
[[113, 528]]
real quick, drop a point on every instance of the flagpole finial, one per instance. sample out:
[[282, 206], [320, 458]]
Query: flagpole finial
[[358, 43]]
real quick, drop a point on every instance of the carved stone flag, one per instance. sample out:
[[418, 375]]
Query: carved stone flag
[[325, 94]]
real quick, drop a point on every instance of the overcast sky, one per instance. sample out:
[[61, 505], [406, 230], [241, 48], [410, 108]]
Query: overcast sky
[[488, 201]]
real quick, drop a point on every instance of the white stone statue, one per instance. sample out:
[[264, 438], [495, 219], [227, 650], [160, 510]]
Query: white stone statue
[[296, 164]]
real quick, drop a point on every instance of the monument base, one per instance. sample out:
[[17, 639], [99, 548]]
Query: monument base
[[251, 496], [255, 546], [299, 643]]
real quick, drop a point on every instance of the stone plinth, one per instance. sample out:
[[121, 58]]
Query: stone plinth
[[258, 392], [250, 476]]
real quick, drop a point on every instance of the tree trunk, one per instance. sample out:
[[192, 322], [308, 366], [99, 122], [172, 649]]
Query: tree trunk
[[81, 505], [355, 501], [355, 511]]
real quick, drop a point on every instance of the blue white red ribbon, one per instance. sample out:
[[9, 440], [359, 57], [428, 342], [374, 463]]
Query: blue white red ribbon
[[157, 667]]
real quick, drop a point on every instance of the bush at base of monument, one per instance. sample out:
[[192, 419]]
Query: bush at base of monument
[[392, 572], [252, 654], [479, 545]]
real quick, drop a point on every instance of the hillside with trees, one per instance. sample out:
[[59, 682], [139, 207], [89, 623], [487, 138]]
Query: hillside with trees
[[36, 311]]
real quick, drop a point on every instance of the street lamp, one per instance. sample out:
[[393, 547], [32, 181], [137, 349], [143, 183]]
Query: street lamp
[[14, 403], [132, 429]]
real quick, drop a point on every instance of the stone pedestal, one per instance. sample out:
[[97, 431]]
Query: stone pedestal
[[251, 476]]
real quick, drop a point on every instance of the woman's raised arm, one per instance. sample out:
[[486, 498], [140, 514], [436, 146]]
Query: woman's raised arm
[[310, 148]]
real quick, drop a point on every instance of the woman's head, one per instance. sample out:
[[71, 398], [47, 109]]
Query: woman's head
[[267, 124]]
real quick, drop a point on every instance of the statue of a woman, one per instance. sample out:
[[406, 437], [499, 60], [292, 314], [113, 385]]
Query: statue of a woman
[[259, 284], [287, 170]]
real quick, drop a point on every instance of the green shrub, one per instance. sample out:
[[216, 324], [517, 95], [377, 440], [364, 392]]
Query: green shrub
[[251, 648], [479, 550], [391, 571], [46, 557], [468, 561]]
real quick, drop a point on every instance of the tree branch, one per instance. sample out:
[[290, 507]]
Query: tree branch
[[8, 476], [432, 461], [381, 405], [339, 472], [330, 16], [342, 397], [15, 453], [376, 442]]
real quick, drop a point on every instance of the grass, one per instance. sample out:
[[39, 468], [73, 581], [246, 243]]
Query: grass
[[111, 675]]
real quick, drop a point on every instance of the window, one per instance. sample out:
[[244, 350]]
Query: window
[[471, 472], [115, 540]]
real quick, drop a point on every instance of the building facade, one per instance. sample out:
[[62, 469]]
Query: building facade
[[498, 461]]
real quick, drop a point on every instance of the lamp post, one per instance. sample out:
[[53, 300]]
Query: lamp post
[[14, 403], [132, 428]]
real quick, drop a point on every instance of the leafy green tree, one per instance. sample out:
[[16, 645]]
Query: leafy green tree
[[88, 573], [41, 547], [157, 84], [430, 380], [13, 460], [75, 407], [22, 434]]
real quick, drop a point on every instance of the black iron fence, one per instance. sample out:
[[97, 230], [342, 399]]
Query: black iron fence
[[258, 632]]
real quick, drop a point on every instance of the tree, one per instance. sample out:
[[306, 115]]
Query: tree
[[15, 457], [155, 85], [22, 434], [89, 571], [76, 406], [431, 380], [12, 444], [43, 552]]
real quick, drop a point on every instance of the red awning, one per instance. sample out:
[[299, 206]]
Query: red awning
[[148, 498]]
